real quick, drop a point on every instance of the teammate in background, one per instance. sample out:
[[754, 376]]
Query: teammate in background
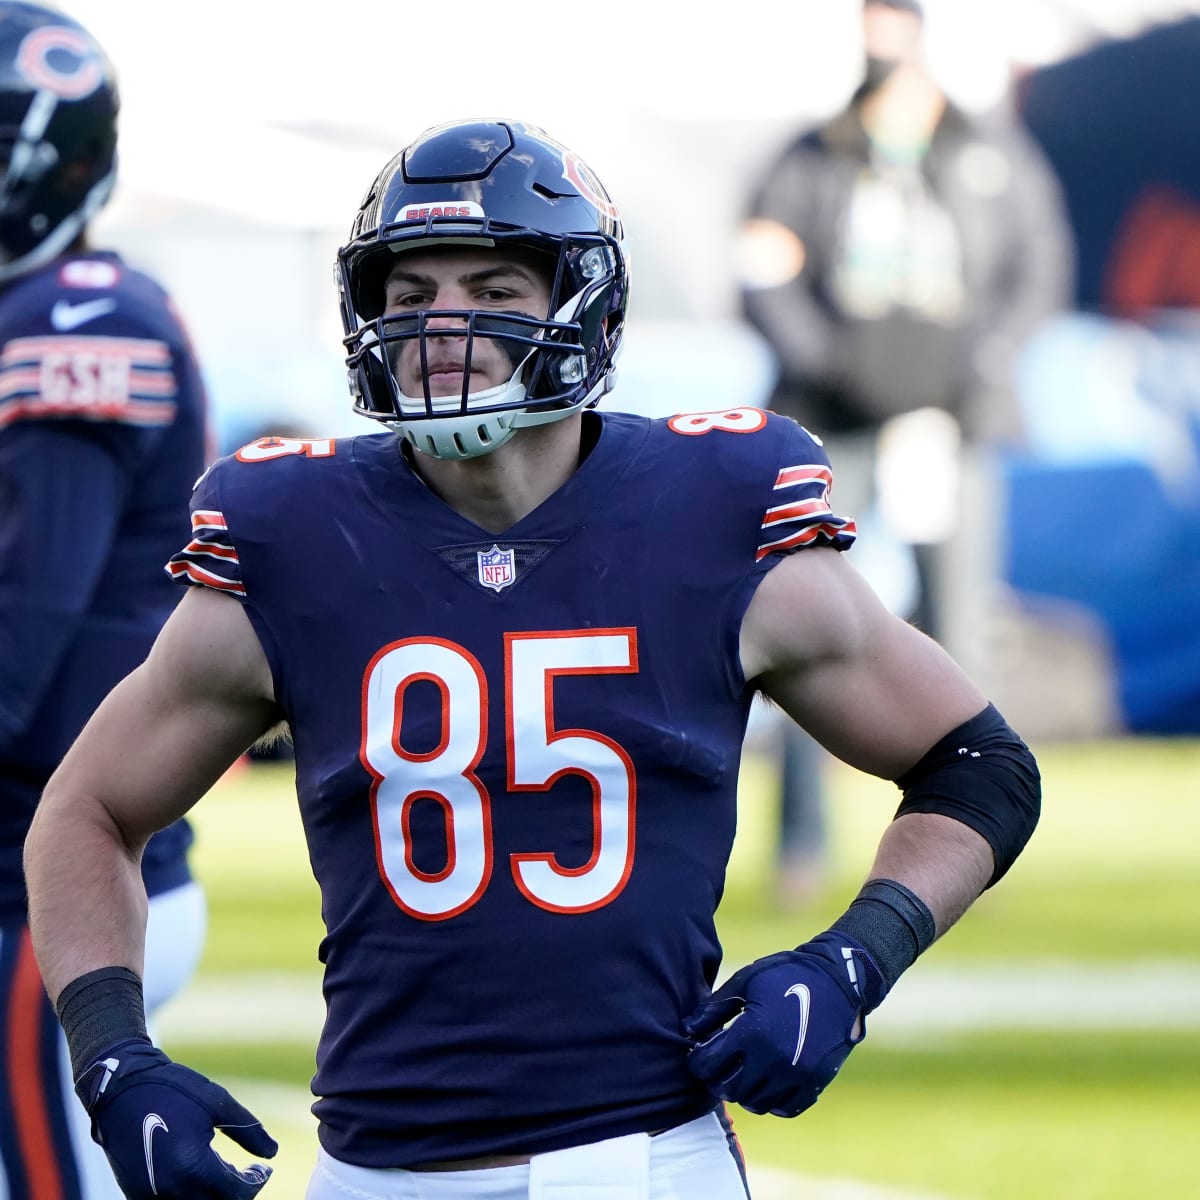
[[101, 438], [516, 642], [895, 260]]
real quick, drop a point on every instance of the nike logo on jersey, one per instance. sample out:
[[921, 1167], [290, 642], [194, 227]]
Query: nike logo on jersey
[[804, 996], [65, 316], [152, 1122]]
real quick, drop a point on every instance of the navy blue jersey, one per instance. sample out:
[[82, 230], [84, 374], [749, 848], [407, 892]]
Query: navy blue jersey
[[516, 760], [102, 436]]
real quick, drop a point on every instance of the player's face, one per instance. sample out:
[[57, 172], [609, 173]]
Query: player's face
[[891, 34], [461, 277]]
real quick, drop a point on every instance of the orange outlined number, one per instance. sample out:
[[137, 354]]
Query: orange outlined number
[[538, 754], [729, 420], [267, 448]]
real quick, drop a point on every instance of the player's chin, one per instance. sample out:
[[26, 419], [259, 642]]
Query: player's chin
[[442, 386]]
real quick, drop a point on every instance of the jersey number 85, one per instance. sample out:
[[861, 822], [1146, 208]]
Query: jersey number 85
[[537, 753]]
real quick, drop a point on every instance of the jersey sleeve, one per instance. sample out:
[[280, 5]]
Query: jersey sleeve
[[210, 559], [797, 511]]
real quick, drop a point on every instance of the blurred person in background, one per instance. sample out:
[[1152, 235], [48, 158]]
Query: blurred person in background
[[516, 639], [895, 259], [102, 435]]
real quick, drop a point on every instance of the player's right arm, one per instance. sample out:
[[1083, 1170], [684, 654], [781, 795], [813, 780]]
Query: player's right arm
[[159, 741]]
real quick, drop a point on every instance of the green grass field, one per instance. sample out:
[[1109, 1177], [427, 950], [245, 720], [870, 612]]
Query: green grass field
[[1111, 883]]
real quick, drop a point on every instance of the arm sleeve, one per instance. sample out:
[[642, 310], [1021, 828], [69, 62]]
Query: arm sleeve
[[211, 558]]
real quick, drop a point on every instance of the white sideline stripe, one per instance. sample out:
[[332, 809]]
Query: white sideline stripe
[[772, 1183], [928, 1002], [1155, 994], [242, 1008]]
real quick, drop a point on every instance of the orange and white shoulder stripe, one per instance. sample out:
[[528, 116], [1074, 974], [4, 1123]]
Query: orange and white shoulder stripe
[[803, 515], [210, 559]]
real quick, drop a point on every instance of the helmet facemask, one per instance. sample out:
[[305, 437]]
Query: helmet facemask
[[553, 372], [503, 187]]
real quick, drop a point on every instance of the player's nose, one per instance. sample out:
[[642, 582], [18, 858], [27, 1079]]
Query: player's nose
[[446, 303]]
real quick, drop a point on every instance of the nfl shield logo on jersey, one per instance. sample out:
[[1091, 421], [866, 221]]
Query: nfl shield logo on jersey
[[497, 568]]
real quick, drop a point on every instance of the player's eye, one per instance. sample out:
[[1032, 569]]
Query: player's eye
[[498, 295], [407, 299]]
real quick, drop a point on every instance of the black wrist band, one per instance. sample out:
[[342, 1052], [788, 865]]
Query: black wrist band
[[893, 924], [99, 1009]]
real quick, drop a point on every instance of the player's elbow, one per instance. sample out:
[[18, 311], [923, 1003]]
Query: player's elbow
[[984, 775], [72, 830]]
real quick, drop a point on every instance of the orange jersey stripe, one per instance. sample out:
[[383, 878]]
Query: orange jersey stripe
[[798, 508], [197, 574], [25, 1076], [144, 351], [806, 536], [812, 473]]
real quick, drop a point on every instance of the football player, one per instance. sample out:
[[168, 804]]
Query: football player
[[102, 434], [515, 639]]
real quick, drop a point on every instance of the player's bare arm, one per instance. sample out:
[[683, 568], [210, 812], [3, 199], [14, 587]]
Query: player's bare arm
[[889, 701], [156, 745], [878, 694], [871, 688]]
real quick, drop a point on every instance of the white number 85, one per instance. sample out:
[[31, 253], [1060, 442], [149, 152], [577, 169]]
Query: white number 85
[[538, 755]]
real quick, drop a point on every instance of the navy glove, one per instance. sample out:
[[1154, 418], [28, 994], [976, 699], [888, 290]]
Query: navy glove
[[777, 1032], [155, 1120]]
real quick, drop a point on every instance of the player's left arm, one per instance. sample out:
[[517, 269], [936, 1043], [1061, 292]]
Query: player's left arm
[[886, 699], [881, 695]]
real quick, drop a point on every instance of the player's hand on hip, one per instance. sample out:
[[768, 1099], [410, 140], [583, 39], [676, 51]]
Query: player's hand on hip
[[777, 1032], [155, 1120]]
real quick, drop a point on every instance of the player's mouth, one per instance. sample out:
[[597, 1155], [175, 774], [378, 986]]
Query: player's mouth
[[445, 378]]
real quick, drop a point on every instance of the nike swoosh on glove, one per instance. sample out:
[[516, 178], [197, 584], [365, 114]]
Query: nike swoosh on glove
[[776, 1033], [155, 1120]]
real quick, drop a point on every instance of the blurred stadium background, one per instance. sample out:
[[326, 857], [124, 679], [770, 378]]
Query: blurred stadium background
[[250, 132], [1051, 1047]]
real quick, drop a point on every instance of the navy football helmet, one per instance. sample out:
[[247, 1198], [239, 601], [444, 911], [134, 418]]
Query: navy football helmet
[[494, 184], [58, 134]]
